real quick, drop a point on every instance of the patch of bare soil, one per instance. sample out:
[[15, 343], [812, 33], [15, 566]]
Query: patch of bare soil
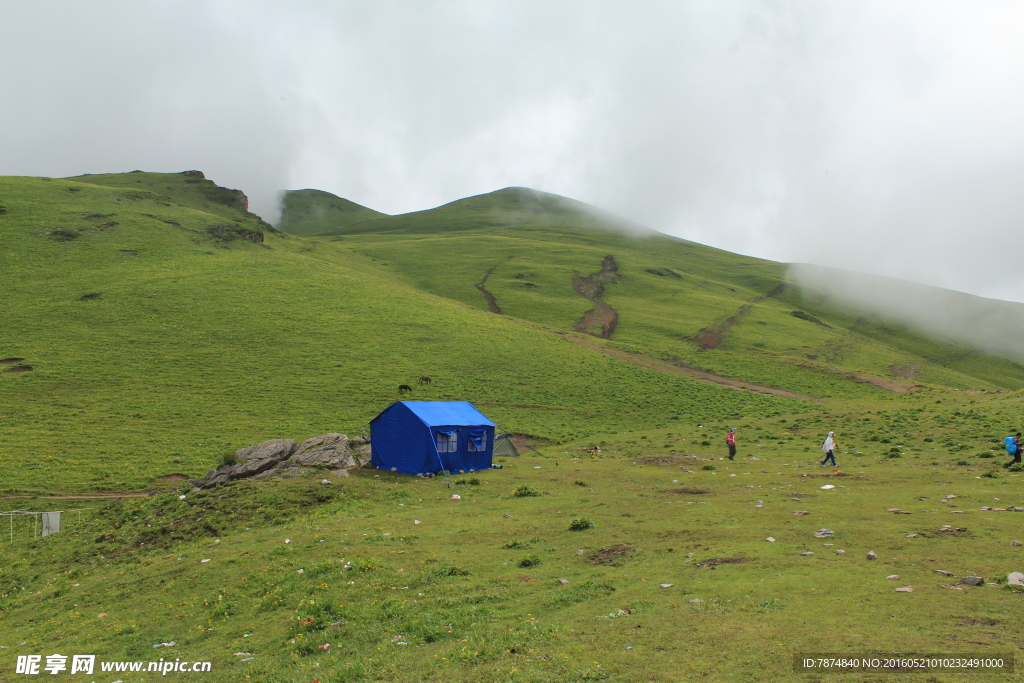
[[11, 361], [492, 303], [19, 368], [601, 320], [715, 561], [612, 556], [903, 371], [666, 459], [691, 492], [798, 496], [711, 337]]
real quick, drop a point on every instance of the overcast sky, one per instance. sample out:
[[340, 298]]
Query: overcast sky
[[884, 137]]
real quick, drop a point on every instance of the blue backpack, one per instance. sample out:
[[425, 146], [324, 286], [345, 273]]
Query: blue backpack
[[1011, 446]]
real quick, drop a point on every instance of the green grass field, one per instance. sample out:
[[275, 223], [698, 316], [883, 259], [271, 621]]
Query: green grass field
[[166, 327]]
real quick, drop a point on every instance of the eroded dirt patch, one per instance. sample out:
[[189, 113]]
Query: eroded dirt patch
[[492, 303], [715, 561], [19, 368], [691, 492], [11, 361], [601, 320], [612, 556]]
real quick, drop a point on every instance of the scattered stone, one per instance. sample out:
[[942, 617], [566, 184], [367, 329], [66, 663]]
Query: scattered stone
[[956, 512], [893, 577], [872, 555], [416, 521], [893, 510], [456, 496], [801, 512], [759, 504], [1015, 579], [325, 481], [972, 580], [840, 552], [696, 600], [911, 535], [950, 496], [905, 589], [580, 551], [903, 512], [998, 509], [506, 515], [807, 554], [944, 573], [984, 509], [689, 554], [660, 585], [770, 539], [823, 533], [1016, 543], [1018, 509], [564, 582]]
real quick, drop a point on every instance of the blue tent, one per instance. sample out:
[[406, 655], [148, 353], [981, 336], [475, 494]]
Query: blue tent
[[421, 437]]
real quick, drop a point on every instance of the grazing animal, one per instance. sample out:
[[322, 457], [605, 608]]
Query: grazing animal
[[424, 380], [403, 388]]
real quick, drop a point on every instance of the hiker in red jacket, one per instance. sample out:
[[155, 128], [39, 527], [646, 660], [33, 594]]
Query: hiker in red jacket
[[730, 441]]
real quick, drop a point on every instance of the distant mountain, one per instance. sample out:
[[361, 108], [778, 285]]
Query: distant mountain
[[313, 212]]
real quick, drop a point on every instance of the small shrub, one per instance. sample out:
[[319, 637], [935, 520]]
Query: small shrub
[[90, 296], [451, 571], [581, 524], [928, 439], [705, 443], [63, 234], [467, 482], [1017, 468], [991, 475], [228, 459], [986, 455], [517, 545], [525, 491], [708, 467], [962, 463], [531, 561], [580, 482]]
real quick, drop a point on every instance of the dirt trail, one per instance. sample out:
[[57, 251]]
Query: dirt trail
[[591, 287], [711, 337], [683, 370], [492, 304]]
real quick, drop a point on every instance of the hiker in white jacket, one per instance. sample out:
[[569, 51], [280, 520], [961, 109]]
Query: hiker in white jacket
[[828, 447]]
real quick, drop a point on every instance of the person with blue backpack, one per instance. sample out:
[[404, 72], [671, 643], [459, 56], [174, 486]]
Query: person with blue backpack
[[1013, 447]]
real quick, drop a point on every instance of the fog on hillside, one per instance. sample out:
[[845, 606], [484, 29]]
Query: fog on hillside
[[988, 324]]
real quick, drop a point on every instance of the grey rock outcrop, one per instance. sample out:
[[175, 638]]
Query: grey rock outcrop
[[330, 450], [281, 459]]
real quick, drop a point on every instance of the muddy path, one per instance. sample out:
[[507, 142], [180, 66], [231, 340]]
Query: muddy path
[[601, 320], [711, 337], [683, 370], [492, 303]]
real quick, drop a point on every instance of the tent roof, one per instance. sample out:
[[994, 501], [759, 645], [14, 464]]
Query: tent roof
[[444, 413]]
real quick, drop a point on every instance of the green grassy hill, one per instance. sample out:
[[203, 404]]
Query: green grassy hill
[[311, 212], [162, 336], [150, 325], [534, 256]]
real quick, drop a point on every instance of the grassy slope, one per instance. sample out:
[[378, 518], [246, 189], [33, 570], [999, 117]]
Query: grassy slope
[[311, 212], [197, 346], [232, 350], [668, 290]]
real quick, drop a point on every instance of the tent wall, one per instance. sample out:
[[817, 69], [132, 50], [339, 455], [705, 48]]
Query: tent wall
[[404, 438]]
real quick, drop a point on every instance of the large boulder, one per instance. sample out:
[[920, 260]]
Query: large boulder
[[329, 450], [361, 450], [274, 449]]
